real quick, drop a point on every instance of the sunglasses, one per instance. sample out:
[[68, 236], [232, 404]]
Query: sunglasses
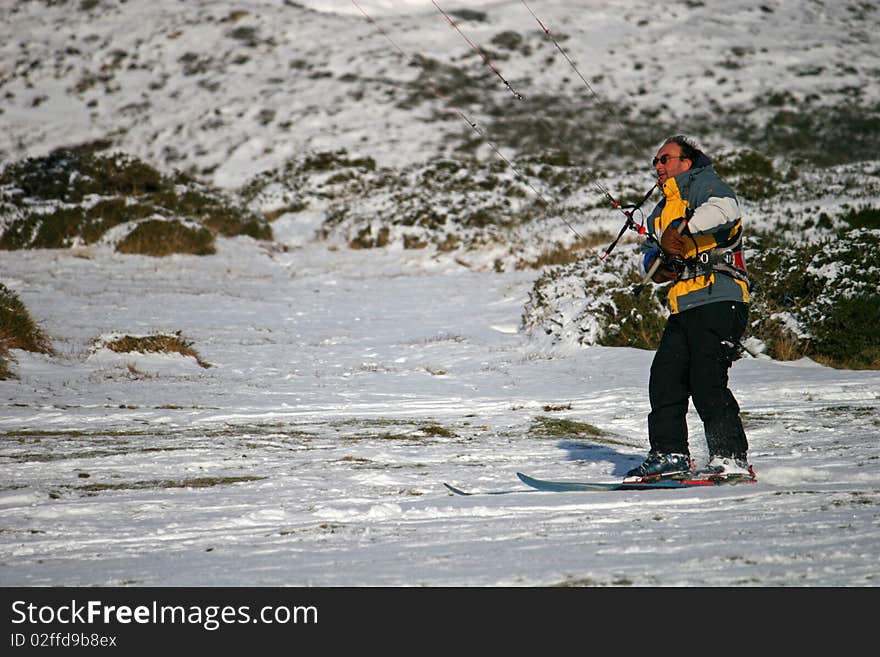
[[663, 159]]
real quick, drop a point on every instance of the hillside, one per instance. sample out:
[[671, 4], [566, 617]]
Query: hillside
[[408, 134], [225, 91]]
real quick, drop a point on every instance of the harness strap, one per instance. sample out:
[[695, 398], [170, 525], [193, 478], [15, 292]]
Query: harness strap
[[719, 258]]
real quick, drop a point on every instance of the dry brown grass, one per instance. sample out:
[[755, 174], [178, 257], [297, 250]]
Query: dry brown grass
[[564, 254], [158, 343]]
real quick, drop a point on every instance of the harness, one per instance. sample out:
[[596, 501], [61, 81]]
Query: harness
[[725, 258]]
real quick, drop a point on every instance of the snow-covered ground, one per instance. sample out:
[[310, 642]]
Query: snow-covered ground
[[346, 386], [349, 386]]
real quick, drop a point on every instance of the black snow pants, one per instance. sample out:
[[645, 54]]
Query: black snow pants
[[692, 361]]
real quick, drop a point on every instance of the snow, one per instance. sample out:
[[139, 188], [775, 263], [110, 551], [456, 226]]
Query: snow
[[329, 369], [346, 386]]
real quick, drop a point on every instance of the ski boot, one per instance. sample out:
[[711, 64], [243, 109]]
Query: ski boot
[[727, 469], [661, 466]]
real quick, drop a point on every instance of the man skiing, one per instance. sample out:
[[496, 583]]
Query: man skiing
[[696, 232]]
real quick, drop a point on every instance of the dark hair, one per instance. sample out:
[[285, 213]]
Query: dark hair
[[689, 148]]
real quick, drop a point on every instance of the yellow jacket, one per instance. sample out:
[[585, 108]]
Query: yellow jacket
[[715, 268]]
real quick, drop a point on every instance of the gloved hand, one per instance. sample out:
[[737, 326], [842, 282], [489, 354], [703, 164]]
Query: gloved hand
[[663, 274], [671, 241], [650, 254]]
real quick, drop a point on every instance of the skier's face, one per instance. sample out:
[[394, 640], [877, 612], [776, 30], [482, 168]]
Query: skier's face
[[669, 162]]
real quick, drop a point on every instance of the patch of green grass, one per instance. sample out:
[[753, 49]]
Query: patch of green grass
[[197, 482], [6, 371], [17, 331], [849, 334], [850, 411], [815, 299], [437, 430], [158, 238], [827, 136], [51, 230], [551, 427], [552, 408], [48, 457], [69, 175], [864, 217], [446, 204], [578, 133], [217, 212], [392, 429], [592, 300], [820, 300], [634, 320], [470, 15], [580, 582], [109, 212], [22, 435], [330, 160], [750, 173], [49, 202], [561, 428]]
